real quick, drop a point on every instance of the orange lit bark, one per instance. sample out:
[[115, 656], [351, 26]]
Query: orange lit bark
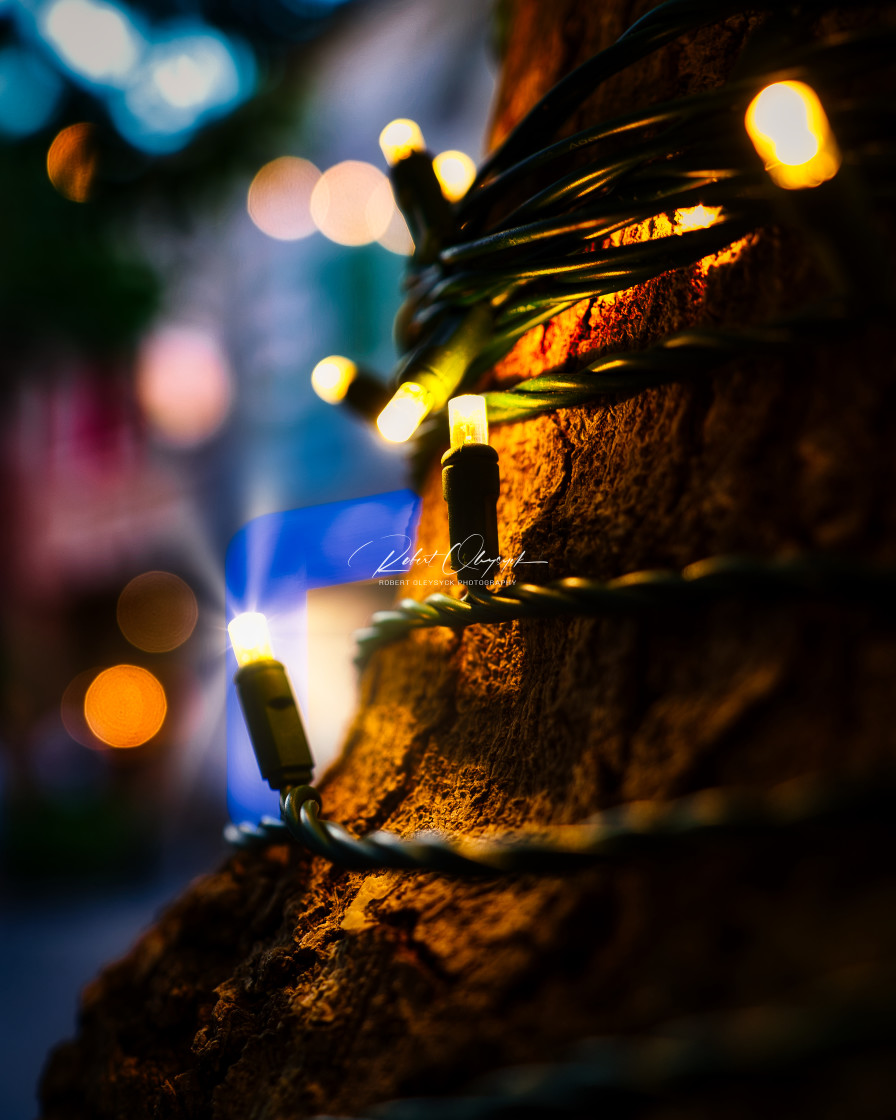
[[279, 987]]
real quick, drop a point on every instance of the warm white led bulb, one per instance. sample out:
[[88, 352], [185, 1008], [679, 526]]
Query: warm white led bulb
[[467, 420], [403, 415], [399, 138], [331, 378], [250, 638], [790, 131], [455, 172]]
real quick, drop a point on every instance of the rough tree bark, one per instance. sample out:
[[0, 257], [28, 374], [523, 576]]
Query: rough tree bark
[[279, 987]]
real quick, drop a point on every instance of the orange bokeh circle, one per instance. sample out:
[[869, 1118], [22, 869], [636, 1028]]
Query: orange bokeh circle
[[125, 706]]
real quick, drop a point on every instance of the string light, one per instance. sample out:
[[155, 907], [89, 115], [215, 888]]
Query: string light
[[467, 420], [405, 412], [338, 380], [269, 705], [790, 132], [455, 172], [434, 370], [491, 283], [471, 483], [250, 638], [399, 139], [332, 376], [548, 255], [416, 187]]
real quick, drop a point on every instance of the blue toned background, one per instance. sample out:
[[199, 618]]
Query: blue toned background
[[272, 565]]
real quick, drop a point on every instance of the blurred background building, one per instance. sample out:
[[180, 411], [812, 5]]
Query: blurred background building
[[194, 212]]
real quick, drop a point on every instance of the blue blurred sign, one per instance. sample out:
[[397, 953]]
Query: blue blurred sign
[[272, 563]]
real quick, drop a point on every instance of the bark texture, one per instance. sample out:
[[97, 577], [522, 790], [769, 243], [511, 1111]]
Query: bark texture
[[279, 987]]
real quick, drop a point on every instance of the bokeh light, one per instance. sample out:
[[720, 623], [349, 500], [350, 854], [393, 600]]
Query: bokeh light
[[157, 611], [396, 237], [72, 161], [125, 706], [95, 41], [71, 709], [350, 205], [184, 384], [191, 74], [29, 92], [455, 172], [279, 200]]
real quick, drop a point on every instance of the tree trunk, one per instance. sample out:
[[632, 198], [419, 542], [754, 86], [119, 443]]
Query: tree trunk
[[281, 987]]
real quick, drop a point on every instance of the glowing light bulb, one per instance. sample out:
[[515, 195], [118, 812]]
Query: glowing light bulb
[[455, 172], [250, 638], [790, 131], [269, 705], [403, 415], [471, 482], [467, 420], [399, 138], [331, 378]]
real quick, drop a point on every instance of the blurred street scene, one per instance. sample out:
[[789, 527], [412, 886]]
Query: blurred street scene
[[195, 212]]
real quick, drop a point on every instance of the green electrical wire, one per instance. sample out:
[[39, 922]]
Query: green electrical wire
[[537, 260], [636, 830], [550, 251], [661, 25], [638, 593], [683, 356], [840, 55]]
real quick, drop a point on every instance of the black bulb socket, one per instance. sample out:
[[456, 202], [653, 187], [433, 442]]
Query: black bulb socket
[[366, 396], [471, 483], [418, 195]]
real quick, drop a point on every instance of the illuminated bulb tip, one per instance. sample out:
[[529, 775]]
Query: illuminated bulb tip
[[250, 638], [399, 138], [455, 172], [331, 378], [790, 131], [403, 415], [467, 420]]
